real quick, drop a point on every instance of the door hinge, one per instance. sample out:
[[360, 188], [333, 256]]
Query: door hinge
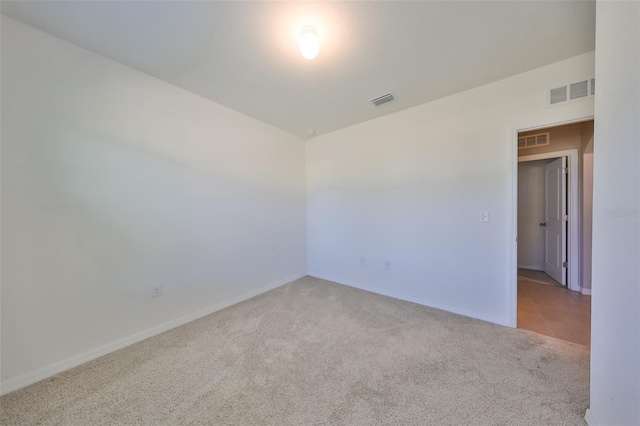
[[565, 264], [565, 217], [564, 171]]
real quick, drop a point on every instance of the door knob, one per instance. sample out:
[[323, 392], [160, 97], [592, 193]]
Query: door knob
[[543, 224]]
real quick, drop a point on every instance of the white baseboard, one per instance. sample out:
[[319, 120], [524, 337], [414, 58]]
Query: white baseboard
[[586, 291], [467, 313], [531, 267], [590, 418], [76, 360]]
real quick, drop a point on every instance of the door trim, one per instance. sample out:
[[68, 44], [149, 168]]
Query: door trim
[[573, 228], [511, 133]]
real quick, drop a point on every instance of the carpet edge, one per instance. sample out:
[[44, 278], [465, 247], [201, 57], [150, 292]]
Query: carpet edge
[[590, 418], [430, 304], [50, 370]]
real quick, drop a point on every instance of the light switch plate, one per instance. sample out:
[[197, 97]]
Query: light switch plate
[[484, 216]]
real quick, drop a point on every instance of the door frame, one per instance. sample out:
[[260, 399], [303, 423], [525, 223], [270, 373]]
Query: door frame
[[573, 228], [512, 255]]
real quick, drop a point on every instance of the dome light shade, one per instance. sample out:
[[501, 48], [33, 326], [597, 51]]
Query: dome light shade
[[309, 42]]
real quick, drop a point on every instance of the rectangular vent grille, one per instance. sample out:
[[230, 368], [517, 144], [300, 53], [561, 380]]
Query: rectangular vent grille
[[579, 90], [571, 92], [559, 94], [387, 97], [531, 141]]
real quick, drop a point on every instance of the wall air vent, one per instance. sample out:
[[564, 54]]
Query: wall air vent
[[579, 90], [531, 141], [559, 94], [571, 92], [387, 97]]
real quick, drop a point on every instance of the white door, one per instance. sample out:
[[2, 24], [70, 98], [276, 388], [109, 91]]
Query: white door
[[555, 226]]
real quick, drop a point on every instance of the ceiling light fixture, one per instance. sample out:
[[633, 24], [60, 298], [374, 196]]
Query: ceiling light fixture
[[309, 42]]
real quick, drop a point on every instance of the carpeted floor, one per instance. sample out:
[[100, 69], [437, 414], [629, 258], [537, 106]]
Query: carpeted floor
[[315, 352]]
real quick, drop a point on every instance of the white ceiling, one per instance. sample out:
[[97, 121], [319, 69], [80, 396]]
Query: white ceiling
[[245, 55]]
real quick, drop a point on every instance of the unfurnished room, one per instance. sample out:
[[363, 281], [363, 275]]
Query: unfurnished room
[[320, 212]]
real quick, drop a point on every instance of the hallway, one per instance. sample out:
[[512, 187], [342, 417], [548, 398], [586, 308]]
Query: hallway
[[554, 311]]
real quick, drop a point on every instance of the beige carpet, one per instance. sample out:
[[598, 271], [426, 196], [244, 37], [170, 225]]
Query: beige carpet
[[315, 352]]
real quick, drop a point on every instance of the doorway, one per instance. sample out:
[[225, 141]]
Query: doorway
[[542, 219], [549, 215], [553, 225]]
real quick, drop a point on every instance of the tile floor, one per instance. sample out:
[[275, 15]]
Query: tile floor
[[537, 276], [554, 311]]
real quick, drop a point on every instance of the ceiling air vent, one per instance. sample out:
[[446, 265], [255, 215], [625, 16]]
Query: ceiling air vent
[[387, 97]]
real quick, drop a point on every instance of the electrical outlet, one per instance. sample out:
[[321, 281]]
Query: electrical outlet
[[484, 217], [156, 290], [387, 265], [362, 261]]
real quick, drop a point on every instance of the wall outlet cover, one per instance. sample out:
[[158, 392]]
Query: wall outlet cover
[[156, 290]]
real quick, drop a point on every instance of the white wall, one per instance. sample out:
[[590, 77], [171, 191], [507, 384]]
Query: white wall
[[587, 221], [531, 201], [113, 181], [615, 323], [409, 188], [586, 242]]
